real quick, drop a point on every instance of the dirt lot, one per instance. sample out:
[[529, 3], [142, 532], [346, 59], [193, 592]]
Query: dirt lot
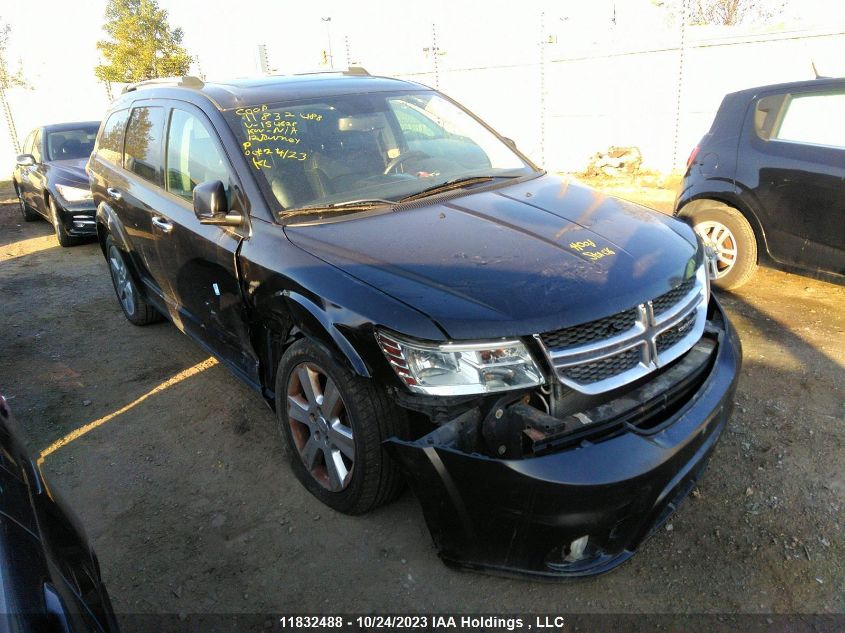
[[191, 507]]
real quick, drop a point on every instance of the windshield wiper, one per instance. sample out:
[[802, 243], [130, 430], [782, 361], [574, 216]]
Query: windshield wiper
[[349, 205], [457, 183]]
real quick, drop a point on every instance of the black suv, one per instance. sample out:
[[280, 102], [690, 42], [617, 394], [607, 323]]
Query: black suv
[[50, 179], [544, 364], [767, 183]]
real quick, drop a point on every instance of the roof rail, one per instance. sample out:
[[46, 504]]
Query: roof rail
[[188, 81], [352, 70]]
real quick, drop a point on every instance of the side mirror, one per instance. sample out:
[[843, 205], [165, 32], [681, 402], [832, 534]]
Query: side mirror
[[25, 160], [509, 142], [211, 206]]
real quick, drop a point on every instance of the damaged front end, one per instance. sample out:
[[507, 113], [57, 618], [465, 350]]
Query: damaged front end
[[554, 482]]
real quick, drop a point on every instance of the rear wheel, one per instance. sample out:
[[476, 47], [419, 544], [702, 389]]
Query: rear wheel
[[334, 423], [28, 215], [65, 239], [135, 306], [730, 242]]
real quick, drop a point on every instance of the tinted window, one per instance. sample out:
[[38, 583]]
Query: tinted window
[[36, 146], [110, 146], [817, 119], [67, 144], [367, 146], [415, 126], [142, 149], [192, 156]]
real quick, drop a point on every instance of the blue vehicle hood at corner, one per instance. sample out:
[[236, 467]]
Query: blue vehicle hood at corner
[[522, 259]]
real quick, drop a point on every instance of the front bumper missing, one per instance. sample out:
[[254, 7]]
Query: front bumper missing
[[520, 516]]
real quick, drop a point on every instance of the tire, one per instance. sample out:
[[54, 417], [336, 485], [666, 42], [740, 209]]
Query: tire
[[134, 305], [65, 239], [730, 236], [363, 410], [28, 215]]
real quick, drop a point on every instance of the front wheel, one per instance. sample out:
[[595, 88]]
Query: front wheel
[[134, 304], [731, 243], [334, 423], [28, 215]]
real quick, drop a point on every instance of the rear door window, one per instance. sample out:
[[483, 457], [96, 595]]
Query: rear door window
[[143, 145], [110, 145], [192, 155], [814, 119]]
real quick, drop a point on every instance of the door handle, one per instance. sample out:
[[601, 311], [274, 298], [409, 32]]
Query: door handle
[[114, 193], [162, 224]]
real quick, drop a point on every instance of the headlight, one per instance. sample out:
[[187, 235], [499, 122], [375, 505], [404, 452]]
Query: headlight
[[454, 369], [74, 194]]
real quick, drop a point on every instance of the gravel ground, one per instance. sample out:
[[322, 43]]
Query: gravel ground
[[187, 499]]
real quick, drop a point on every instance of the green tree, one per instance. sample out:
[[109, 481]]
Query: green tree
[[142, 44]]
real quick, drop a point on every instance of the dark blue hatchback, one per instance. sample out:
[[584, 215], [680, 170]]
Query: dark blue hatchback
[[765, 184]]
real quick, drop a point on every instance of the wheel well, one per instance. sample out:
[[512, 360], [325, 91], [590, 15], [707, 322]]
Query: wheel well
[[272, 343], [102, 233], [756, 227]]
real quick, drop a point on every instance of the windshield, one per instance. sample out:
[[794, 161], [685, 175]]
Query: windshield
[[378, 147], [74, 143]]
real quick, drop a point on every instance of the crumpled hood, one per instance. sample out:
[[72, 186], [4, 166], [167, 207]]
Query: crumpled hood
[[71, 171], [517, 260]]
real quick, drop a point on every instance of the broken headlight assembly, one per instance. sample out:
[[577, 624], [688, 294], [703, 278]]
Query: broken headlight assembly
[[454, 369]]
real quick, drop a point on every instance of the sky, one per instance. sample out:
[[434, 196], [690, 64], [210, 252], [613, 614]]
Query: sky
[[56, 40]]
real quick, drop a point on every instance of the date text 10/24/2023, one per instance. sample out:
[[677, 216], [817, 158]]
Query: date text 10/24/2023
[[425, 622]]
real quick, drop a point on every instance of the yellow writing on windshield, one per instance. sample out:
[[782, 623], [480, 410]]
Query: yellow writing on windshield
[[271, 133]]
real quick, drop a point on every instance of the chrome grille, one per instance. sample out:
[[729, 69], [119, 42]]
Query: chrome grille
[[667, 300], [592, 331], [604, 368], [613, 351], [675, 334]]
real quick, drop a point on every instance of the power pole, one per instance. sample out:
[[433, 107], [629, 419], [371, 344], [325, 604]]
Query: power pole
[[328, 22], [435, 51], [263, 59], [542, 88], [680, 84]]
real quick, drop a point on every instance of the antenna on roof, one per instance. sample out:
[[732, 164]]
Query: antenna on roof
[[816, 71]]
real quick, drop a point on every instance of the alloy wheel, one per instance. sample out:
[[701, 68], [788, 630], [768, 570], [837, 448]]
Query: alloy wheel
[[122, 281], [320, 426], [721, 245]]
